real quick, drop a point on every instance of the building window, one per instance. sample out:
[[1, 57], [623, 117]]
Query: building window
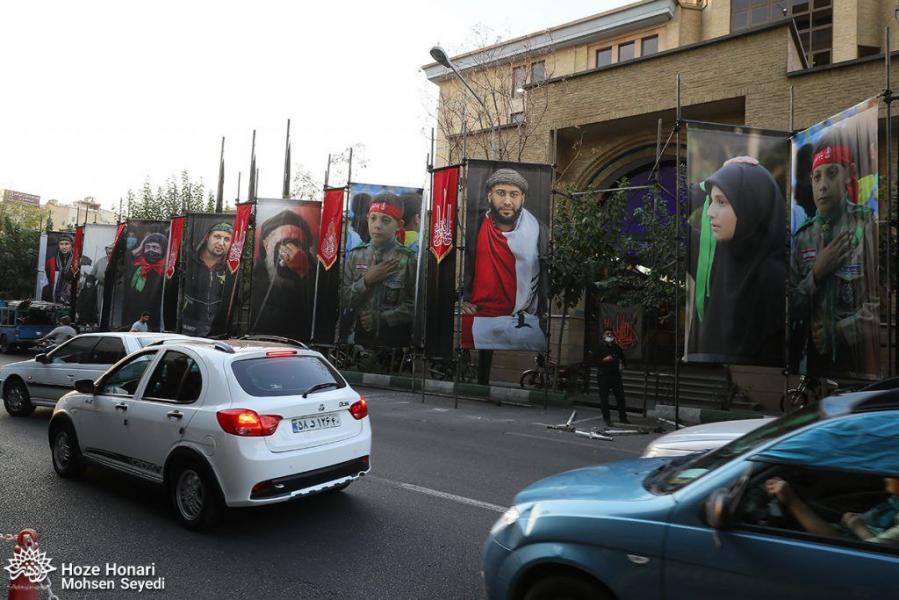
[[538, 72], [519, 78], [626, 51], [517, 118], [813, 18], [649, 45], [603, 57]]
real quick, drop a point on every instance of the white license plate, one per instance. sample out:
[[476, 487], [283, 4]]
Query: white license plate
[[304, 424]]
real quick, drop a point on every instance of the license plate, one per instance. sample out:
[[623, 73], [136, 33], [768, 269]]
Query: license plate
[[304, 424]]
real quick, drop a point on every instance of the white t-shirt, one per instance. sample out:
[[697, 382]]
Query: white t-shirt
[[61, 334], [139, 326]]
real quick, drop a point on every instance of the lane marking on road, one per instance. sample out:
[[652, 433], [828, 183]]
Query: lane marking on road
[[572, 443], [438, 494]]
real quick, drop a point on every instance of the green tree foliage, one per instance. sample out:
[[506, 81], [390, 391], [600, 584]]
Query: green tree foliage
[[180, 195], [18, 256]]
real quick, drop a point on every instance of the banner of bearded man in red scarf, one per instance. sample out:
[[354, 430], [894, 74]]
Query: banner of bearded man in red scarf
[[143, 279], [506, 281]]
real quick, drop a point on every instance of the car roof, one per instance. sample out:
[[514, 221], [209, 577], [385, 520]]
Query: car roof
[[856, 402], [234, 347]]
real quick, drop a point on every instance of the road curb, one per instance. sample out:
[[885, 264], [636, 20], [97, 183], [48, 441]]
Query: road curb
[[494, 393], [696, 416]]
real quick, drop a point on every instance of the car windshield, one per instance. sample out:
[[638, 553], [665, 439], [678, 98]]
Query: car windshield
[[284, 375], [679, 472]]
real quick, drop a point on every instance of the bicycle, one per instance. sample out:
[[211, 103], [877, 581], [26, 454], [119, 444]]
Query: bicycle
[[809, 391], [544, 376], [444, 369]]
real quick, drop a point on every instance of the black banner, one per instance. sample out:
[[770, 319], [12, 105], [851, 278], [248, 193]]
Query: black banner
[[134, 276], [206, 288], [56, 280]]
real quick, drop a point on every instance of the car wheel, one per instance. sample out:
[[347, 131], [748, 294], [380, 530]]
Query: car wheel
[[67, 459], [195, 495], [565, 587], [16, 399]]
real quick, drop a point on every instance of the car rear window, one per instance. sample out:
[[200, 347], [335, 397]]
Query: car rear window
[[284, 376]]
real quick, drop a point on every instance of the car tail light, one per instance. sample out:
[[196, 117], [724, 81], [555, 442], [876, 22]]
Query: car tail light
[[247, 423], [359, 409], [280, 353]]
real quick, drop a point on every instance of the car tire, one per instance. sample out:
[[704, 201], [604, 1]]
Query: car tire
[[565, 587], [195, 494], [65, 453], [16, 398]]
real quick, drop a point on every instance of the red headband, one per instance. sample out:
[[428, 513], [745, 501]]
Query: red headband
[[388, 209], [832, 154]]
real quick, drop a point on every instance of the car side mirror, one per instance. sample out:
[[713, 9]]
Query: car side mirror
[[85, 386], [717, 509], [42, 358]]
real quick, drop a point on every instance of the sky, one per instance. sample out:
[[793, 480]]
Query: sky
[[97, 96]]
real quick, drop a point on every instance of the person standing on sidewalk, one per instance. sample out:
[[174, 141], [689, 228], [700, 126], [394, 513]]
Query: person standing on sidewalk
[[611, 361]]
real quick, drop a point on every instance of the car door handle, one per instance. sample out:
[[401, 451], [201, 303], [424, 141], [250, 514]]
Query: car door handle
[[121, 406], [174, 414], [70, 376]]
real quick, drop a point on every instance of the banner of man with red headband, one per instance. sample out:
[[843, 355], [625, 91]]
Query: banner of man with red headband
[[834, 294]]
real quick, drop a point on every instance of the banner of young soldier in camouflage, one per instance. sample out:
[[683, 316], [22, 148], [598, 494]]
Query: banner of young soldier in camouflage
[[736, 270], [55, 278], [95, 253], [834, 294], [380, 271], [507, 239], [283, 285], [134, 276], [207, 283]]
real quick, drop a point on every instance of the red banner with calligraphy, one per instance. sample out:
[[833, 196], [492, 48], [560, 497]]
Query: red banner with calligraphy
[[331, 227], [444, 201], [241, 223], [171, 258], [626, 322], [77, 248]]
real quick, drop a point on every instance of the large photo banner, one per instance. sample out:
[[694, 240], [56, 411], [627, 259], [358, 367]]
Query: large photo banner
[[207, 285], [135, 275], [56, 277], [283, 289], [736, 275], [834, 293], [380, 273], [507, 239], [96, 250]]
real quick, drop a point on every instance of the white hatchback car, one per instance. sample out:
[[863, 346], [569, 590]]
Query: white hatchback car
[[219, 424], [43, 380]]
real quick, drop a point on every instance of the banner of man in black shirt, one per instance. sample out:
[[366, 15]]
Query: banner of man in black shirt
[[207, 284]]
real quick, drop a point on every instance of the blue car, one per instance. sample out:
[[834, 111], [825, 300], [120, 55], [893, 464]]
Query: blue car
[[806, 506]]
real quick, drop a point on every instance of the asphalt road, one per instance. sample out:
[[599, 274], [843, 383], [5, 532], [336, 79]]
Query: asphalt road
[[412, 529]]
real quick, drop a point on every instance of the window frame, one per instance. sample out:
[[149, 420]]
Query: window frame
[[800, 534], [518, 90], [643, 42], [52, 356], [633, 46], [596, 57], [157, 365], [138, 391]]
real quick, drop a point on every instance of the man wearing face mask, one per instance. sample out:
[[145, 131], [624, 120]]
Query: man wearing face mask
[[143, 280], [611, 361], [284, 277]]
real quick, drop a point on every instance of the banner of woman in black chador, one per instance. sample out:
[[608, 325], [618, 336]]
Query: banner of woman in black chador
[[737, 268], [207, 283], [135, 275]]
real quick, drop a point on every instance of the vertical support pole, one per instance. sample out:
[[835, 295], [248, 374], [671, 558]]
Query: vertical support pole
[[677, 253], [318, 264], [549, 266], [892, 354], [792, 129], [343, 239], [424, 245], [461, 225]]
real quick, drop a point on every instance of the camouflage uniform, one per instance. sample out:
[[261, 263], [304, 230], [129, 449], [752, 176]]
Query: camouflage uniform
[[391, 301], [846, 301]]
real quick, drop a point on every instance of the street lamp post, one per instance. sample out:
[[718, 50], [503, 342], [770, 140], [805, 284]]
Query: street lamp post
[[442, 58]]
